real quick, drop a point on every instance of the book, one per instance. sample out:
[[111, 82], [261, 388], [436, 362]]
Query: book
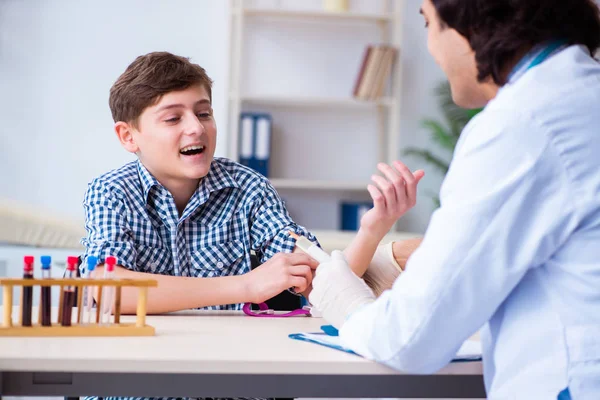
[[374, 72]]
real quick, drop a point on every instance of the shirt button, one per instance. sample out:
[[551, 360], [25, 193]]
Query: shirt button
[[219, 264]]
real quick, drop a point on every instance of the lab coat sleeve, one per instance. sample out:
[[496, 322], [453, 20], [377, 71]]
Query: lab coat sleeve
[[506, 208]]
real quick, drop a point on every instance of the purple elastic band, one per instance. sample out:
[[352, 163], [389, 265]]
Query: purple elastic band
[[265, 312]]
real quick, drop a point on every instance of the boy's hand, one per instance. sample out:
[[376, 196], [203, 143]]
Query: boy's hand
[[280, 273], [393, 195]]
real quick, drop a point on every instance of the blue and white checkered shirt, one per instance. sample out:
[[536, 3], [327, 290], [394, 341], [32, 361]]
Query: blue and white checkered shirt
[[130, 215]]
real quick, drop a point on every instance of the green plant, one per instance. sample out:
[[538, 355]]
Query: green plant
[[446, 134]]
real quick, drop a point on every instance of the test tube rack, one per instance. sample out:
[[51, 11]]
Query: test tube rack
[[77, 327]]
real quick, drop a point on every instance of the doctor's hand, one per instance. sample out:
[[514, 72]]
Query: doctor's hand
[[337, 292], [393, 195], [281, 272]]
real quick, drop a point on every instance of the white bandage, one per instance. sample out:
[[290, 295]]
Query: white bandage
[[383, 270], [337, 291]]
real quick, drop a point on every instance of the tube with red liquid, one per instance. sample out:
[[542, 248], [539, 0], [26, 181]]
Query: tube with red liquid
[[69, 292], [46, 306], [27, 301]]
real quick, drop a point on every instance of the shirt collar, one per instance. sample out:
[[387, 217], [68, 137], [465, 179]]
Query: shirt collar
[[147, 179], [544, 50], [217, 179]]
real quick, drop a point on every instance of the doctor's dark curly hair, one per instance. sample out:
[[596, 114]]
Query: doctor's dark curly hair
[[498, 30]]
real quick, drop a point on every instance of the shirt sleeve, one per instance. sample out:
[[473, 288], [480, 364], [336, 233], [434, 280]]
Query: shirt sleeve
[[506, 207], [107, 231], [271, 224]]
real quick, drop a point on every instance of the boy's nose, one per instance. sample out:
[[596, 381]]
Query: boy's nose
[[193, 126]]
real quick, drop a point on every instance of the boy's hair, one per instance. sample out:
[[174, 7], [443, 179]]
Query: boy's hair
[[498, 30], [150, 77]]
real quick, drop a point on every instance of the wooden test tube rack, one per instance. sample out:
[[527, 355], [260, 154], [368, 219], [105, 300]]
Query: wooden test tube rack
[[78, 328]]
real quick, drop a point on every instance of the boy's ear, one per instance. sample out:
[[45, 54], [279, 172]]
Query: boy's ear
[[124, 132]]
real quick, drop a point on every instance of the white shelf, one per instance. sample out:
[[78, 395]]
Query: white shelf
[[318, 101], [304, 184], [317, 14], [281, 101]]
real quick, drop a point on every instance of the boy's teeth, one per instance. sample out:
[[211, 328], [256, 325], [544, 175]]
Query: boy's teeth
[[191, 148]]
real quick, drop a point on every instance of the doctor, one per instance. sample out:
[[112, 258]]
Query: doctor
[[514, 249]]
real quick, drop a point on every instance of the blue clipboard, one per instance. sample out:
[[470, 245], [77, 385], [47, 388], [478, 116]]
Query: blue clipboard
[[469, 351]]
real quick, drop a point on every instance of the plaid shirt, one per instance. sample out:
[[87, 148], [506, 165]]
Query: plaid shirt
[[130, 215]]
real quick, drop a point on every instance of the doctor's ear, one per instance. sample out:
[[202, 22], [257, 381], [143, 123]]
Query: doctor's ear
[[124, 132]]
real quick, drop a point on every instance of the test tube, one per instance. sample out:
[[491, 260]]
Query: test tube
[[69, 292], [27, 301], [46, 297], [108, 291], [88, 293]]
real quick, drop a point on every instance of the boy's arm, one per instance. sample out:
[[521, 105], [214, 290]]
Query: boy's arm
[[108, 234], [393, 196], [175, 293], [271, 224], [404, 249], [269, 232]]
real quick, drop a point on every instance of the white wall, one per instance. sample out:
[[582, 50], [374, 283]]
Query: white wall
[[59, 58]]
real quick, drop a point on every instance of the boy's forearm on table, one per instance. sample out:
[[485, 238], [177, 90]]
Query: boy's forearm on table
[[176, 293]]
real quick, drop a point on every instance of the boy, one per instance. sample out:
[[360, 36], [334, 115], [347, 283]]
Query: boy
[[181, 214], [192, 220]]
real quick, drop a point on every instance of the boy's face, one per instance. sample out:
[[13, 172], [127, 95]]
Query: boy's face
[[176, 138]]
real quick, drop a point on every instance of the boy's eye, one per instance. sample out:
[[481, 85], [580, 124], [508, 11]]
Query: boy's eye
[[171, 120], [204, 115]]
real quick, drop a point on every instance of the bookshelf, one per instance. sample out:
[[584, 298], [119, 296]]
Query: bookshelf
[[308, 102], [325, 15], [310, 37], [306, 184]]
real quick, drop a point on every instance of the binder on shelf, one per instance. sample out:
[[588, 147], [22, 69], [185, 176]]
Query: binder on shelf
[[255, 141], [262, 144], [352, 213], [246, 139]]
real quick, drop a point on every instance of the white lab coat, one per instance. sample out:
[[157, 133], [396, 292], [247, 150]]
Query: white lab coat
[[515, 246]]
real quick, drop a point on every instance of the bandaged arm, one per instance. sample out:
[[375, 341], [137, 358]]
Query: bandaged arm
[[383, 269]]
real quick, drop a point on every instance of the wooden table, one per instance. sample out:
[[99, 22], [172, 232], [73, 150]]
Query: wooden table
[[214, 354]]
